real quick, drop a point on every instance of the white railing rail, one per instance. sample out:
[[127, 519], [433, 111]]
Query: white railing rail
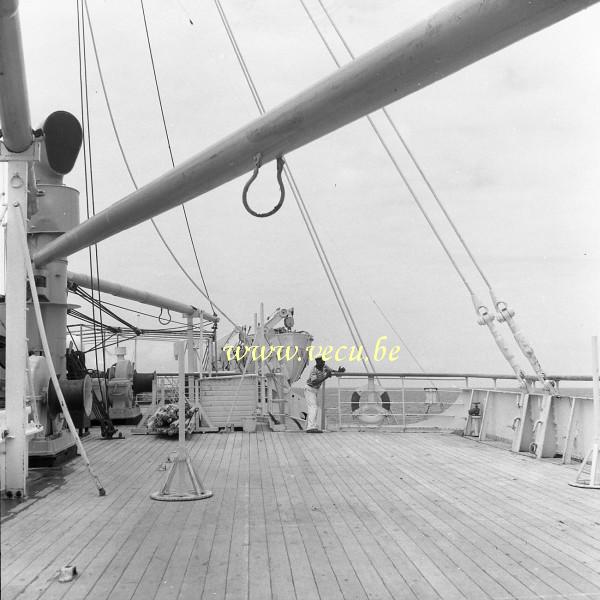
[[487, 407]]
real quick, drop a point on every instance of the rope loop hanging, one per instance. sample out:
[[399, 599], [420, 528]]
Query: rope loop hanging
[[257, 165]]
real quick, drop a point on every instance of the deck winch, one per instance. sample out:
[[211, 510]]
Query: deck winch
[[120, 380]]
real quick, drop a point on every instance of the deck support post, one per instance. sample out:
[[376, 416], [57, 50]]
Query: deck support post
[[593, 456], [323, 405], [16, 335]]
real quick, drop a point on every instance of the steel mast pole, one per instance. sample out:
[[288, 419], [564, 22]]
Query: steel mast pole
[[14, 104], [458, 35], [191, 357], [17, 139], [17, 455]]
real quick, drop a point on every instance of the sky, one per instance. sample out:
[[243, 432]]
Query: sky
[[510, 143]]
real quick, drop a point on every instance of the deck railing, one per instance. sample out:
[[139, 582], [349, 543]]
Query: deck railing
[[487, 407], [403, 402]]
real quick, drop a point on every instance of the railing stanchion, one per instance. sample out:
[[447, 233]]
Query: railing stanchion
[[403, 406], [339, 389], [323, 407]]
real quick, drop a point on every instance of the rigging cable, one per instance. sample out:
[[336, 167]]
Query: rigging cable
[[164, 121], [132, 178], [100, 305], [88, 174], [335, 286], [485, 317], [400, 338], [140, 312], [504, 312]]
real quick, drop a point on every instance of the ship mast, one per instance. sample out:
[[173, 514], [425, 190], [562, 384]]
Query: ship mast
[[16, 151]]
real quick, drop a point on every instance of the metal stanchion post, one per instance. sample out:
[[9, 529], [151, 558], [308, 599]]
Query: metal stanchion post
[[183, 465], [593, 480]]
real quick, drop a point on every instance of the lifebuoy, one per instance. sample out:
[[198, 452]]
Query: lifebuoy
[[371, 413], [383, 396]]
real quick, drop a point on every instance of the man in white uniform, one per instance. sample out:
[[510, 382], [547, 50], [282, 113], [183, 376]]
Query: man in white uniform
[[319, 373]]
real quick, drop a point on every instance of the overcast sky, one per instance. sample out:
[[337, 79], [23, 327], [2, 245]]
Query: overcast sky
[[511, 145]]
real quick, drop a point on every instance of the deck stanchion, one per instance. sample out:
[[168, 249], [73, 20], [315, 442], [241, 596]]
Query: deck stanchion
[[323, 407], [339, 405], [403, 406], [182, 466], [592, 481]]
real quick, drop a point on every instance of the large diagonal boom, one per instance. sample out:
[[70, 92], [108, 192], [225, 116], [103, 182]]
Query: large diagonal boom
[[123, 291], [454, 37]]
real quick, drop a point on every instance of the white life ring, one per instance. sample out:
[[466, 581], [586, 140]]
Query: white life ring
[[370, 413]]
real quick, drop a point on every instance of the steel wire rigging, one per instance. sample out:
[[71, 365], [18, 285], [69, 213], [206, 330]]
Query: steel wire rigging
[[168, 140], [89, 178], [132, 178], [485, 317], [304, 213]]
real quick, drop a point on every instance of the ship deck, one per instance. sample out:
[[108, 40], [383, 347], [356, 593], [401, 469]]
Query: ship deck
[[339, 515]]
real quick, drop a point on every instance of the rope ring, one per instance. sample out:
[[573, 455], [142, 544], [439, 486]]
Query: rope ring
[[257, 165]]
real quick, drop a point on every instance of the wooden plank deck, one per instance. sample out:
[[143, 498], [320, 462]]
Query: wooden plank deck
[[344, 515]]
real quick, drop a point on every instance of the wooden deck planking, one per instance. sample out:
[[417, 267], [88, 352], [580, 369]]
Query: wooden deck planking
[[415, 529], [449, 549], [519, 551], [302, 579], [175, 569], [106, 568], [280, 568], [157, 574], [340, 516], [566, 556], [236, 584], [215, 581], [510, 564], [333, 539], [259, 584], [561, 494], [536, 471], [103, 543], [215, 511], [118, 536], [68, 528], [395, 545], [363, 553], [320, 566], [532, 526], [40, 513]]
